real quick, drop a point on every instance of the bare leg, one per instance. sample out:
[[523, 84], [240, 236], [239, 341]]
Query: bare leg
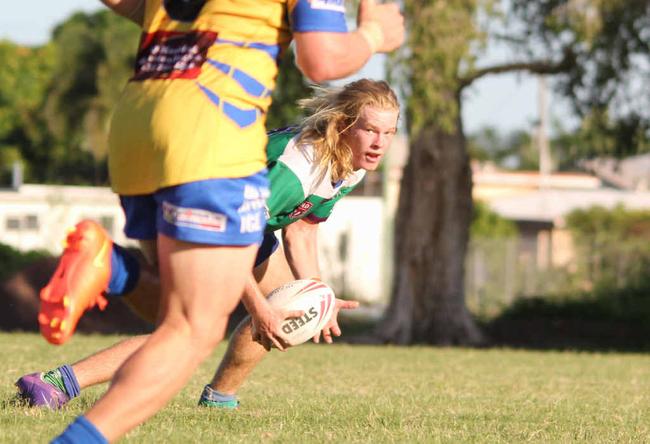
[[144, 300], [243, 354], [101, 366], [193, 322]]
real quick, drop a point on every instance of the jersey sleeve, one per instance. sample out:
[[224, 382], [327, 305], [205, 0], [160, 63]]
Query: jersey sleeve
[[317, 16], [323, 211]]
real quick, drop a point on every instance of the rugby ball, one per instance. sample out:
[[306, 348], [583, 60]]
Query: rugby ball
[[314, 298]]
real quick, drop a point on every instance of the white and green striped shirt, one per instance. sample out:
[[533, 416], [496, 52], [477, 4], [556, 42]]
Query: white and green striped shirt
[[299, 188]]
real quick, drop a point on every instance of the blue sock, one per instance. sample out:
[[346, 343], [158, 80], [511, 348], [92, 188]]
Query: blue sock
[[81, 431], [69, 381], [125, 271]]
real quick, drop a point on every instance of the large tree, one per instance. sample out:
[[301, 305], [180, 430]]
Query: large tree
[[55, 100], [24, 77], [588, 44], [95, 57]]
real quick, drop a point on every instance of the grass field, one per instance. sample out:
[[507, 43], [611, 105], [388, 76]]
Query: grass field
[[347, 394]]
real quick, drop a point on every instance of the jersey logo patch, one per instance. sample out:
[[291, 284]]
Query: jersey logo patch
[[172, 55], [194, 218], [328, 5], [301, 209]]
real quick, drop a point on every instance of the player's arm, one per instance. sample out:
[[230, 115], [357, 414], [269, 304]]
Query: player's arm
[[331, 55], [266, 320], [131, 9], [300, 241], [300, 247]]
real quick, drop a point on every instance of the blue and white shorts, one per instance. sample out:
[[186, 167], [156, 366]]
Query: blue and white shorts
[[211, 212]]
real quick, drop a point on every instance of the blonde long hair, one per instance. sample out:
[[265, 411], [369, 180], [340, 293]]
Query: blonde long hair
[[332, 111]]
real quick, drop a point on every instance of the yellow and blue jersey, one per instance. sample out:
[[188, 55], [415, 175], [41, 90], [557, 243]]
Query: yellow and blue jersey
[[195, 107]]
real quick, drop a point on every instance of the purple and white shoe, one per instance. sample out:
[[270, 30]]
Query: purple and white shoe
[[40, 393]]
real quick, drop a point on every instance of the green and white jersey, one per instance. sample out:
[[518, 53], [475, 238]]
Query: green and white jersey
[[299, 188]]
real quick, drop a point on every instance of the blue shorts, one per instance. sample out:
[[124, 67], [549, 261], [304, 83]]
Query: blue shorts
[[269, 245], [211, 212]]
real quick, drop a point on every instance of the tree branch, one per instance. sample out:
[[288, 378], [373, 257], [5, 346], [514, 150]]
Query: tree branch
[[534, 66]]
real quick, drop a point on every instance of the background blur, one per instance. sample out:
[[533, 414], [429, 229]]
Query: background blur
[[559, 238]]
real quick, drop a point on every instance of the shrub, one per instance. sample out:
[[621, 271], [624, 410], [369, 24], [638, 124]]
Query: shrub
[[13, 260]]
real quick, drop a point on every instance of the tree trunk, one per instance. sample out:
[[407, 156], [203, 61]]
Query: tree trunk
[[431, 235]]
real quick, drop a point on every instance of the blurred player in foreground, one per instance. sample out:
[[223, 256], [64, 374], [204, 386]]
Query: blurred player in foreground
[[311, 167], [187, 157]]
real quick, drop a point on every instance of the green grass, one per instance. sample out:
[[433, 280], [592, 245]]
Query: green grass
[[367, 394]]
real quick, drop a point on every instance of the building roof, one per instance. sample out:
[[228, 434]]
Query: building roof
[[552, 205], [39, 193], [632, 173]]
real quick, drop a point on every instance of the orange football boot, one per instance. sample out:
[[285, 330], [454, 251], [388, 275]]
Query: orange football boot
[[78, 283]]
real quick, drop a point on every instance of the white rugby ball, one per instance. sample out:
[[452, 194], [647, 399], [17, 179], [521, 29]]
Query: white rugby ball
[[313, 297]]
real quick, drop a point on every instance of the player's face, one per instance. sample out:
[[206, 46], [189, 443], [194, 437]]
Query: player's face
[[371, 135]]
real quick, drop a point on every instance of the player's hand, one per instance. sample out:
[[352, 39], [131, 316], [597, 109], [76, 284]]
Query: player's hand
[[332, 327], [266, 326], [388, 17]]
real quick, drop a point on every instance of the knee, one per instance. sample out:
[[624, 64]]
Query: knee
[[201, 333]]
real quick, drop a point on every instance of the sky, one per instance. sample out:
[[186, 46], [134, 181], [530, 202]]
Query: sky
[[507, 102]]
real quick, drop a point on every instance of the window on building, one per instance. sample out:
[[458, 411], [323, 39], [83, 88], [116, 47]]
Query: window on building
[[108, 223], [12, 224], [31, 222], [27, 222]]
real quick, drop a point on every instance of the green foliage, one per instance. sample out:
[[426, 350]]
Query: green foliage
[[619, 223], [291, 87], [631, 305], [517, 149], [611, 258], [493, 241], [514, 150], [488, 224], [605, 45], [611, 320], [25, 76], [13, 260], [380, 395], [600, 134], [615, 246], [95, 57], [55, 100], [439, 46]]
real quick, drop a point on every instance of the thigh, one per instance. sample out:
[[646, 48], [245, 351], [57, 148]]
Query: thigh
[[202, 284]]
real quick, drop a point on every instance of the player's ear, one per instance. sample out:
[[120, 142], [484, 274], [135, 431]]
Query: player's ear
[[344, 125]]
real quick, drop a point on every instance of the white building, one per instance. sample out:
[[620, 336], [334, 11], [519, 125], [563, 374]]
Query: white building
[[539, 204], [37, 217]]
